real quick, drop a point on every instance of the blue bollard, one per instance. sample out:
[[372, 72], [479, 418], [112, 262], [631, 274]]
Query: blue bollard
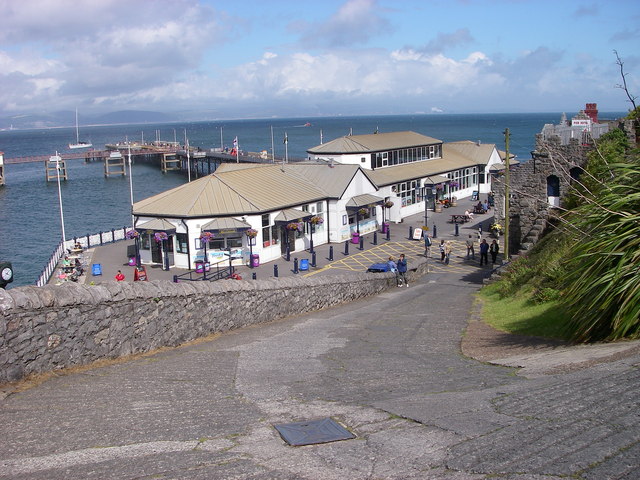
[[275, 271], [295, 265], [254, 276], [389, 233], [331, 253], [375, 238], [361, 243], [288, 254], [435, 231], [313, 259], [457, 231], [346, 247]]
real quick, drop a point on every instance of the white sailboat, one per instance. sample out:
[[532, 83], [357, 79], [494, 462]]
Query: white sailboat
[[78, 143]]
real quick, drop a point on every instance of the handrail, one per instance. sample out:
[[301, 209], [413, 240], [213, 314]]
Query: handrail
[[220, 273]]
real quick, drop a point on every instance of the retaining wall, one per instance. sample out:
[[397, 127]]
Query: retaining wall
[[55, 327]]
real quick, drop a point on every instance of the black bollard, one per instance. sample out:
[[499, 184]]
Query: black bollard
[[275, 271], [456, 231], [310, 246], [313, 259], [295, 265], [331, 253], [410, 232], [346, 247], [375, 238], [435, 231], [361, 243], [288, 254], [254, 276], [389, 233]]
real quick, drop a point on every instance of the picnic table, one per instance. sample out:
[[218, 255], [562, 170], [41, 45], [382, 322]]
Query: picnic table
[[459, 218]]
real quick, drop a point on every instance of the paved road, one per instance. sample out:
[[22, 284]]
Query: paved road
[[388, 368]]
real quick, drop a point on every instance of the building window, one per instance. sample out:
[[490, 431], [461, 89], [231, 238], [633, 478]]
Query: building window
[[181, 243], [407, 192], [267, 231]]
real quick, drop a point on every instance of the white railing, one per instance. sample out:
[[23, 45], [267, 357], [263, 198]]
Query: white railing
[[87, 241]]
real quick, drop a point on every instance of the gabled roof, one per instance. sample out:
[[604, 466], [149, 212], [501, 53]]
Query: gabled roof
[[478, 152], [374, 142], [412, 171]]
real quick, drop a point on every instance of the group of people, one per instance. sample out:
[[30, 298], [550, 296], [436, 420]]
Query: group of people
[[400, 269], [484, 248]]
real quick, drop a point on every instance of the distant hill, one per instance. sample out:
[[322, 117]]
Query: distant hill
[[67, 118]]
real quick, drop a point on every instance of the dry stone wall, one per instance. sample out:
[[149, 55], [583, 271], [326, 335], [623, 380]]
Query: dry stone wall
[[55, 327]]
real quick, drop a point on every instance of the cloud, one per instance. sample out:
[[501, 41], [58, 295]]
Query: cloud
[[445, 41], [586, 11], [355, 22]]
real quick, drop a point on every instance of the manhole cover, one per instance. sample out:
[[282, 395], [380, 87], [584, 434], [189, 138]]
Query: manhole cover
[[313, 432]]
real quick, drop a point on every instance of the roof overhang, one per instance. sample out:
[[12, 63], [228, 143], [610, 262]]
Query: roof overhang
[[291, 215], [225, 225], [364, 200], [157, 224], [435, 179]]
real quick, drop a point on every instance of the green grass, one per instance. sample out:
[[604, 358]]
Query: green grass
[[519, 314]]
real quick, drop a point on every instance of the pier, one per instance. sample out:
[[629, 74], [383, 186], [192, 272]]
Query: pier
[[168, 157]]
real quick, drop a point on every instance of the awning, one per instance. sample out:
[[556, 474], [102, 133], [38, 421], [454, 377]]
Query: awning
[[364, 200], [291, 215], [436, 179], [225, 225], [157, 224]]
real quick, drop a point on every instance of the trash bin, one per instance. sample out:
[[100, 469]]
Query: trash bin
[[355, 238], [132, 261], [304, 264], [96, 269], [385, 227], [254, 259], [140, 274], [199, 266]]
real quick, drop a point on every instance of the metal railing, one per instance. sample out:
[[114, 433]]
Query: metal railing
[[86, 241], [207, 276]]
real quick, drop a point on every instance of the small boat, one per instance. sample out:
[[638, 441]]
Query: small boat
[[308, 124], [78, 143]]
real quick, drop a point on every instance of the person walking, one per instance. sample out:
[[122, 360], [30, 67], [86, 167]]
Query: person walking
[[470, 248], [393, 267], [442, 254], [494, 248], [447, 252], [484, 250], [402, 271], [427, 244]]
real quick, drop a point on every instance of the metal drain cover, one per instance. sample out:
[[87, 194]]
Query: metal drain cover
[[313, 432]]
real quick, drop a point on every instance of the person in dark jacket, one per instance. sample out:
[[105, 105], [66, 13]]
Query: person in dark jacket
[[402, 271], [494, 248], [484, 250]]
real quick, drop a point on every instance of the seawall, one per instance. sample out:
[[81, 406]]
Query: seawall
[[55, 327]]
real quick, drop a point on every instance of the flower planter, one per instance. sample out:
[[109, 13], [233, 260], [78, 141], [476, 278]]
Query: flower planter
[[438, 208]]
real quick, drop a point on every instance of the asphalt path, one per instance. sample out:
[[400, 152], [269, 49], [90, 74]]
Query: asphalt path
[[388, 368]]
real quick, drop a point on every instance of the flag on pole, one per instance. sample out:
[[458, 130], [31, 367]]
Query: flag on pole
[[286, 138]]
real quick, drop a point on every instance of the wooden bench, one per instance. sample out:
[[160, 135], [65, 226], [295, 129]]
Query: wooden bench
[[459, 218]]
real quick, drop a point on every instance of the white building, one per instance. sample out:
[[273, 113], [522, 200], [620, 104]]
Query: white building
[[340, 193]]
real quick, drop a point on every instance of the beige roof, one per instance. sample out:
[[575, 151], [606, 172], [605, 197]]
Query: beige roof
[[480, 153], [291, 214], [364, 200], [156, 224], [374, 142], [225, 223], [333, 180]]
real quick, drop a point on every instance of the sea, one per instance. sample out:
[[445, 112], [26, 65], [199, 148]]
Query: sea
[[30, 220]]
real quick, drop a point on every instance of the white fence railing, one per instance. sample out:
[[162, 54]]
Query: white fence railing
[[87, 241]]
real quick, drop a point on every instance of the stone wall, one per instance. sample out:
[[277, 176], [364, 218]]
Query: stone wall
[[528, 206], [55, 327]]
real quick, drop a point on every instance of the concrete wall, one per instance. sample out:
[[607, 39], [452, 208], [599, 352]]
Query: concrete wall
[[55, 327]]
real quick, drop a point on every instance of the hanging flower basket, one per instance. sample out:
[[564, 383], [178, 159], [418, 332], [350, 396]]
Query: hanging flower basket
[[206, 237], [251, 233], [439, 186], [295, 226], [363, 211], [388, 204], [160, 236], [316, 220], [454, 184], [131, 234]]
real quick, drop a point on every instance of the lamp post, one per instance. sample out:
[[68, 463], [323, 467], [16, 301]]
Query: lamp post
[[56, 158]]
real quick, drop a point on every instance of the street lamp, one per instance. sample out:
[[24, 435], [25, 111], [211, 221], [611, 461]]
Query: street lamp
[[56, 158]]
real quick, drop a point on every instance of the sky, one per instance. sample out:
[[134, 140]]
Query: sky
[[281, 58]]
